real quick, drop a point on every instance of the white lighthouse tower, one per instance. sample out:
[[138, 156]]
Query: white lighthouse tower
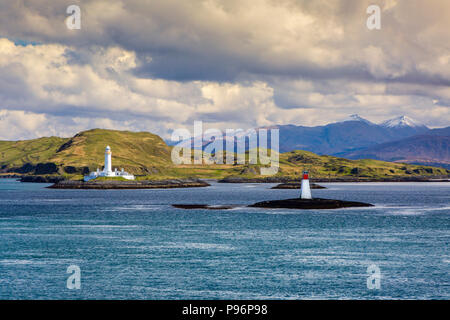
[[108, 165], [305, 189]]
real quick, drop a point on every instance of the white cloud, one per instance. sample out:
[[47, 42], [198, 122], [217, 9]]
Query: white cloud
[[55, 86]]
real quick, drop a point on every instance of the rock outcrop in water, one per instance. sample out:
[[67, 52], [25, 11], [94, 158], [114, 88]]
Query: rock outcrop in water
[[316, 203], [144, 184]]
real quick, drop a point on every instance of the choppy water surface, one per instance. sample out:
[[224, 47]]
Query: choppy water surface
[[131, 244]]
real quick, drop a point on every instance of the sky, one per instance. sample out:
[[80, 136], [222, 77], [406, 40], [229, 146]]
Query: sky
[[160, 65]]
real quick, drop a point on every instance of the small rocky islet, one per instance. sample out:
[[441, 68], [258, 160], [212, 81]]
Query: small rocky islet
[[296, 203], [315, 203]]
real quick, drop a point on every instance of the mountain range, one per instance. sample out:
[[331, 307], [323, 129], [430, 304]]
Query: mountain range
[[400, 139]]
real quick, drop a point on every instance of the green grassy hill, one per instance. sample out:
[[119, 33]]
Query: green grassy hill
[[329, 166], [137, 152], [147, 155]]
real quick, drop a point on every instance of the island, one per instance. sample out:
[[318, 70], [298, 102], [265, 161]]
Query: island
[[316, 203], [147, 156], [130, 184]]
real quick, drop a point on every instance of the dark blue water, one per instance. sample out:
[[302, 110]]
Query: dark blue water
[[132, 244]]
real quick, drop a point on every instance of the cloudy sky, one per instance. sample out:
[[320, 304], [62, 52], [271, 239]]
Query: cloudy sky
[[158, 65]]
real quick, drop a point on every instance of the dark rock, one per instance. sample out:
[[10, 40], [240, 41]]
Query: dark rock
[[316, 203]]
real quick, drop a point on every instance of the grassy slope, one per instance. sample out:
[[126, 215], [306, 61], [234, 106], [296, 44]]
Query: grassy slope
[[147, 154], [18, 153]]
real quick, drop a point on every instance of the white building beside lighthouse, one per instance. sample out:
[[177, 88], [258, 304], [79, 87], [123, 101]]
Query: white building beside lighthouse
[[107, 170]]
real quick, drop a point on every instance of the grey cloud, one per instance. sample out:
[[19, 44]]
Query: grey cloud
[[215, 41], [315, 57]]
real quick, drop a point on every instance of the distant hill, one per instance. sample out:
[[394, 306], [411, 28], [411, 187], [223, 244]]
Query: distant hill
[[146, 154], [422, 149]]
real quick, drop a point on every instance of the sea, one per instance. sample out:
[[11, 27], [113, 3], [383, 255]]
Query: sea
[[132, 244]]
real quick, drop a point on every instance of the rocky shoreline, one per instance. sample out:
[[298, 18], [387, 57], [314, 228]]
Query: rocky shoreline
[[143, 184]]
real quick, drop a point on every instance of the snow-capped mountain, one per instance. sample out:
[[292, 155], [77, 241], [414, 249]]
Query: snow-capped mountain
[[356, 117], [354, 132], [402, 122]]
